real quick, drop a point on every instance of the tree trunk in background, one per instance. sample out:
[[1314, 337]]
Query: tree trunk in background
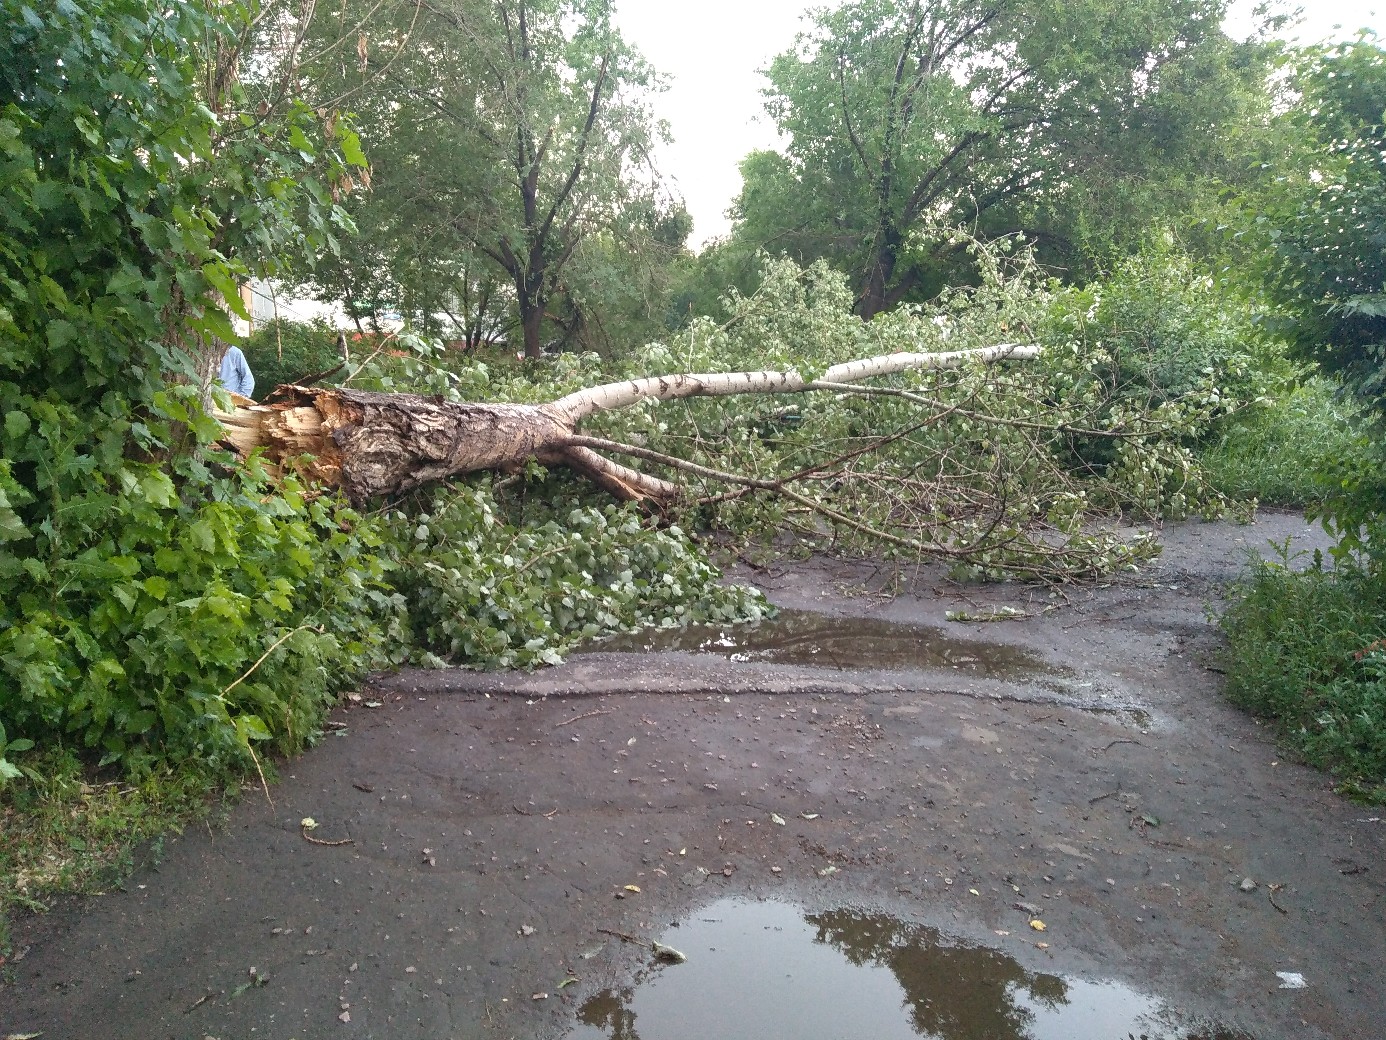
[[875, 296]]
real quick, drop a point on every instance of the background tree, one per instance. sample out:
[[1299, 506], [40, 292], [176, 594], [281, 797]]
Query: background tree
[[509, 140], [1040, 115], [1318, 225]]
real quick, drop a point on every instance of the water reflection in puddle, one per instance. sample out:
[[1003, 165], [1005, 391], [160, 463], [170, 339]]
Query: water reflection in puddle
[[768, 971], [803, 637]]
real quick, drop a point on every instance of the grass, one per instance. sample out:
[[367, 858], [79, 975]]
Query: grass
[[1308, 649], [1273, 452], [73, 831]]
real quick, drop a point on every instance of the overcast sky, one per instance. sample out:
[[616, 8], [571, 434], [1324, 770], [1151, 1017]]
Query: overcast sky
[[713, 104]]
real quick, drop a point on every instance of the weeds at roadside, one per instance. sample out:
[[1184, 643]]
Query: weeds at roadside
[[1306, 648], [76, 831]]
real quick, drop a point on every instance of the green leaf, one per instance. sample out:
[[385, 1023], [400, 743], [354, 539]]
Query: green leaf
[[60, 333], [252, 727], [17, 424], [140, 722], [223, 282], [126, 281], [12, 529], [351, 149], [158, 489]]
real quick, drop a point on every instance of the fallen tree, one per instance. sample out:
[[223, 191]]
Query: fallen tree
[[916, 435], [371, 444]]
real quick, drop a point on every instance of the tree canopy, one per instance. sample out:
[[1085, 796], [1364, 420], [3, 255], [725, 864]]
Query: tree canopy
[[1320, 223], [1070, 121], [512, 187]]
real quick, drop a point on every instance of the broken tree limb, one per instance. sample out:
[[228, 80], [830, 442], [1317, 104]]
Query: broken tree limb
[[373, 444], [579, 405]]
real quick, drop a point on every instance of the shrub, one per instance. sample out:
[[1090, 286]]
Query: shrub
[[1278, 451], [197, 617], [1170, 330], [283, 351], [1306, 649]]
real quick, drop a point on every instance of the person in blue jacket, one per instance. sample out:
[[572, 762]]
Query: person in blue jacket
[[235, 373]]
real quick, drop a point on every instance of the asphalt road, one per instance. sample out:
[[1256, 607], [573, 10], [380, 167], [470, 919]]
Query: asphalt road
[[476, 834]]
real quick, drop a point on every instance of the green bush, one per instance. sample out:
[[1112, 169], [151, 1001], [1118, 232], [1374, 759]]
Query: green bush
[[142, 587], [1306, 649], [283, 351], [1170, 330], [199, 616], [1279, 451]]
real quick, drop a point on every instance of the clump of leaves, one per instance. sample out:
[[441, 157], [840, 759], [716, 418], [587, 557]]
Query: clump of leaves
[[493, 582], [194, 619], [1170, 330]]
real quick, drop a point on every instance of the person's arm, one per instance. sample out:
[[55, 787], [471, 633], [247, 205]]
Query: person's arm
[[247, 377]]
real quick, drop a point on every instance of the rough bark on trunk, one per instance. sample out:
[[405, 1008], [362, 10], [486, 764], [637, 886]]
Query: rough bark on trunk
[[372, 444], [874, 296]]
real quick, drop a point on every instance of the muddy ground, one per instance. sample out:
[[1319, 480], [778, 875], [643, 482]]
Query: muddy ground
[[495, 820]]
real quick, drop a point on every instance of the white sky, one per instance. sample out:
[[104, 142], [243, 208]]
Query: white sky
[[710, 52]]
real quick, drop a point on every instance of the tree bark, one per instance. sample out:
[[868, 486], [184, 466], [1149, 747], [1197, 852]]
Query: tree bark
[[874, 296], [374, 444]]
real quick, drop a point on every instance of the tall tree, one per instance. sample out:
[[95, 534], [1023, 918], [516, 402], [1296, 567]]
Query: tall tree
[[993, 114], [504, 134], [1319, 224]]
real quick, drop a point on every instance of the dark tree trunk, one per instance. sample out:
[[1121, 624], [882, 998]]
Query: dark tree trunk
[[877, 294]]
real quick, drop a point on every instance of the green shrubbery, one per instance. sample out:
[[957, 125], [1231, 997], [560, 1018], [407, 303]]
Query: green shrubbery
[[141, 638], [1280, 450], [1304, 645], [285, 351], [157, 606], [1306, 649], [1170, 331]]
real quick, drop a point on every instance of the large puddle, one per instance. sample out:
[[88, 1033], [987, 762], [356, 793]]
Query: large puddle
[[769, 971], [847, 643]]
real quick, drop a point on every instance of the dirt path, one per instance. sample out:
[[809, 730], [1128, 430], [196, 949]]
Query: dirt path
[[495, 820]]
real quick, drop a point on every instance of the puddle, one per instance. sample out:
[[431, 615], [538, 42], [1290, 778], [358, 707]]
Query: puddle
[[766, 971], [846, 643]]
